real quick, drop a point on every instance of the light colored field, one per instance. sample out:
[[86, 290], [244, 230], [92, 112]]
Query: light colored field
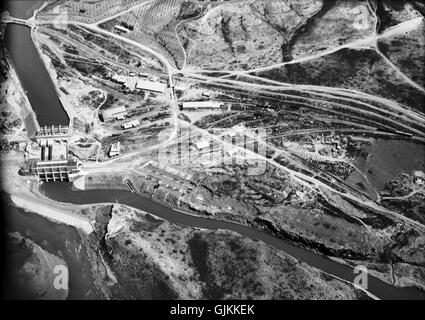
[[53, 213]]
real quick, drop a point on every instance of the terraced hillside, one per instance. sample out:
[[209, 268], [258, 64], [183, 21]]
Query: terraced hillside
[[155, 25], [88, 11]]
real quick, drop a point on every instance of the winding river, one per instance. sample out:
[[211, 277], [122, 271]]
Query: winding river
[[48, 108]]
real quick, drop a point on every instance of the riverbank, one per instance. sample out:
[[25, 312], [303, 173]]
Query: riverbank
[[181, 262], [65, 230], [86, 271], [24, 193], [82, 206], [18, 100], [53, 214], [379, 269], [23, 9]]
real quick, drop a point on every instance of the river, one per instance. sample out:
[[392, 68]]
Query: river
[[64, 192], [57, 237], [62, 240], [22, 9]]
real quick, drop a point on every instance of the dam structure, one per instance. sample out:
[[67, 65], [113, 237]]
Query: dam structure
[[52, 162]]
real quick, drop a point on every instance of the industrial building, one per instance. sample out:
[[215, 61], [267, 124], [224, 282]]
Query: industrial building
[[119, 79], [53, 142], [32, 151], [60, 170], [52, 132], [131, 124], [139, 83], [121, 28], [118, 113], [115, 149], [53, 150], [52, 163], [157, 87], [202, 144], [131, 83], [202, 105], [180, 88]]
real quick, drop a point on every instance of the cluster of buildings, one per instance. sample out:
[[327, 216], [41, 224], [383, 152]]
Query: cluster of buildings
[[119, 113], [132, 83], [327, 145]]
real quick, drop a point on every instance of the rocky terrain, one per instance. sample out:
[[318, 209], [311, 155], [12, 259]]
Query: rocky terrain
[[393, 12], [406, 51], [357, 69], [245, 34], [337, 23], [30, 271], [338, 228], [406, 194], [154, 259]]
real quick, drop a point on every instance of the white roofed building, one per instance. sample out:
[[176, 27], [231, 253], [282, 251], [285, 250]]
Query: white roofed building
[[119, 79], [131, 124], [151, 86], [118, 113], [202, 144], [202, 105], [131, 83], [121, 28], [115, 149]]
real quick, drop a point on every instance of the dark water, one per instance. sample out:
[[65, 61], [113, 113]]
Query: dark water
[[386, 159], [389, 158], [63, 192], [22, 9], [34, 77], [15, 257], [61, 240]]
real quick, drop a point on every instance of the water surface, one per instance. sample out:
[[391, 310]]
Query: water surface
[[64, 192]]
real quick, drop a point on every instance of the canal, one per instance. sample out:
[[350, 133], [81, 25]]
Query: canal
[[30, 69]]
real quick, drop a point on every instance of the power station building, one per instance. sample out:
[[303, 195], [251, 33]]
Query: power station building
[[56, 170], [53, 163]]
